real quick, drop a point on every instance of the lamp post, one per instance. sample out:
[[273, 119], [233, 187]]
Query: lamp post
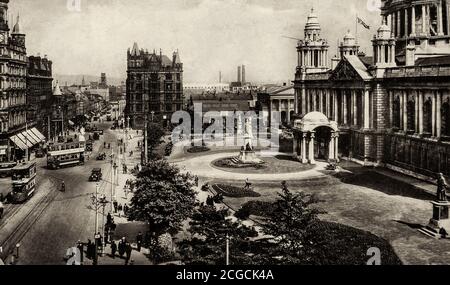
[[98, 202]]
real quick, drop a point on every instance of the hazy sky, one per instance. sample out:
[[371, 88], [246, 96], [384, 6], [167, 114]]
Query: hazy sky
[[211, 35]]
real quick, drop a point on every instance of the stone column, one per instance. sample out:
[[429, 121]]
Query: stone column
[[420, 111], [335, 106], [288, 111], [366, 110], [438, 113], [331, 148], [440, 28], [416, 110], [391, 108], [295, 145], [398, 24], [406, 23], [433, 113], [344, 106], [424, 25], [304, 157], [311, 149], [321, 100], [336, 144], [413, 21], [405, 110], [328, 103]]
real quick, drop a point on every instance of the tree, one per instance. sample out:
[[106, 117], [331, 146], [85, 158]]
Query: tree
[[163, 198], [289, 224], [154, 135], [209, 229]]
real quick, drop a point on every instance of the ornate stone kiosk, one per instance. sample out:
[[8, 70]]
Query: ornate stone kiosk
[[305, 134]]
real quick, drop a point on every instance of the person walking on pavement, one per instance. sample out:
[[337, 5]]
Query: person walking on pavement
[[113, 249], [2, 209], [139, 239], [128, 251], [80, 247], [122, 244], [115, 204]]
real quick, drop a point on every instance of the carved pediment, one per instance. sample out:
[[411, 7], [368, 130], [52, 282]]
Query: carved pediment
[[345, 71]]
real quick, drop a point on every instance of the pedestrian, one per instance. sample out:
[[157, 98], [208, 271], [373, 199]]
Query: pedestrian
[[247, 184], [125, 209], [115, 204], [113, 249], [128, 251], [89, 253], [122, 244], [109, 219], [120, 208], [98, 241], [2, 209], [80, 247], [139, 239]]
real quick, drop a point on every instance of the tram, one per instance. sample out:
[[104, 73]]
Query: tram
[[6, 168], [23, 182], [65, 155]]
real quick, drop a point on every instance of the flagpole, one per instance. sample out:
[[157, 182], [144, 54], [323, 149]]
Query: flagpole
[[356, 28]]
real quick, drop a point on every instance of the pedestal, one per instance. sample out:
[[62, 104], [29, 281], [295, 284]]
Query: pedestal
[[440, 220], [249, 157]]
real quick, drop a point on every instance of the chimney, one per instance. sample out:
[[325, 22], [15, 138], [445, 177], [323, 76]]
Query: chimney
[[239, 78], [243, 74], [410, 55], [334, 62], [220, 76]]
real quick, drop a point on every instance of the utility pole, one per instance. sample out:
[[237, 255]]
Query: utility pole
[[96, 209], [26, 140], [228, 251], [145, 142], [112, 177]]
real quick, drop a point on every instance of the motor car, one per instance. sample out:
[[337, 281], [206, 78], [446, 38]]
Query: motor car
[[96, 175], [101, 156]]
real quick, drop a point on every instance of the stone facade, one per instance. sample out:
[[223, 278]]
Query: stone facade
[[392, 109], [154, 87]]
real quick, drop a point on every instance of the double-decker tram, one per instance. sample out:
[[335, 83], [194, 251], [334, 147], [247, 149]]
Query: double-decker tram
[[23, 182], [65, 155]]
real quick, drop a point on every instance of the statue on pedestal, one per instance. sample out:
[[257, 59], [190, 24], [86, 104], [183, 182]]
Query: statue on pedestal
[[442, 188]]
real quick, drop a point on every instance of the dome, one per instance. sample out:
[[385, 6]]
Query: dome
[[315, 117], [384, 32], [313, 21], [349, 39]]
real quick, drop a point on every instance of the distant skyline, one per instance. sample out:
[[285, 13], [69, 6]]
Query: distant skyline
[[211, 35]]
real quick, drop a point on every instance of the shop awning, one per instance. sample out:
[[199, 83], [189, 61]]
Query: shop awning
[[28, 138]]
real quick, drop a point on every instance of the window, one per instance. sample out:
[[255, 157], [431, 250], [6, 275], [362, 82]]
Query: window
[[427, 116], [396, 113], [169, 76], [411, 112], [168, 107], [446, 119]]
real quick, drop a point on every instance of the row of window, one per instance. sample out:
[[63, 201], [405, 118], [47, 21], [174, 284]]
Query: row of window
[[154, 97], [157, 108]]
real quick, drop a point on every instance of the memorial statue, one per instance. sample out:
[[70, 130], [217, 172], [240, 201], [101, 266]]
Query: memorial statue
[[248, 134], [442, 188]]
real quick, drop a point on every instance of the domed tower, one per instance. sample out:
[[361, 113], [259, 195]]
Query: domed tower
[[349, 46], [313, 50], [384, 47], [17, 35]]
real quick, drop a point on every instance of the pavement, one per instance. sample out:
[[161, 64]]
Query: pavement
[[68, 217]]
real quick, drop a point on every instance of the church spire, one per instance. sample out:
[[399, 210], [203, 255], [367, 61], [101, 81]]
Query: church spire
[[16, 29]]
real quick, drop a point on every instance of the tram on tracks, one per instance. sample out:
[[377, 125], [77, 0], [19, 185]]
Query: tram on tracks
[[6, 168], [66, 155], [23, 182]]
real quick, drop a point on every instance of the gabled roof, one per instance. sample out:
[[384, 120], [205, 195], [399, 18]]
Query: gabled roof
[[284, 90], [359, 66]]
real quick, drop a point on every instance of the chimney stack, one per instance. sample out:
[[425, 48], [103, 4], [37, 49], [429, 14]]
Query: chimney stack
[[239, 78], [243, 74]]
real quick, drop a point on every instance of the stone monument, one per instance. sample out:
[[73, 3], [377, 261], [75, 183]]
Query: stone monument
[[248, 155], [439, 225]]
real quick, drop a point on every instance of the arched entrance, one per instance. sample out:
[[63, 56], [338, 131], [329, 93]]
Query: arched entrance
[[316, 137]]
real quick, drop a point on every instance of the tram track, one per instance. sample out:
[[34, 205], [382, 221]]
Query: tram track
[[27, 222]]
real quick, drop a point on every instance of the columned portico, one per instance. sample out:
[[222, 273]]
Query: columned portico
[[306, 138]]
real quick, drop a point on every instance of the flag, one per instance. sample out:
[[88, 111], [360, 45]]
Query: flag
[[363, 23]]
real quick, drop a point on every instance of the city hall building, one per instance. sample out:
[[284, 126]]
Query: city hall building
[[391, 109]]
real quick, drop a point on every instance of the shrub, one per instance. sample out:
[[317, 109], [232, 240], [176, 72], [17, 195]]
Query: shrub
[[256, 208]]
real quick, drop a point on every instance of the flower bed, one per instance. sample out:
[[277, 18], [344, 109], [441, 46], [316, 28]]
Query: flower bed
[[234, 192], [197, 149]]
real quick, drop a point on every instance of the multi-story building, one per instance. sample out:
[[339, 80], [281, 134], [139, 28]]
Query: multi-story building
[[154, 86], [15, 138], [39, 92], [391, 109]]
